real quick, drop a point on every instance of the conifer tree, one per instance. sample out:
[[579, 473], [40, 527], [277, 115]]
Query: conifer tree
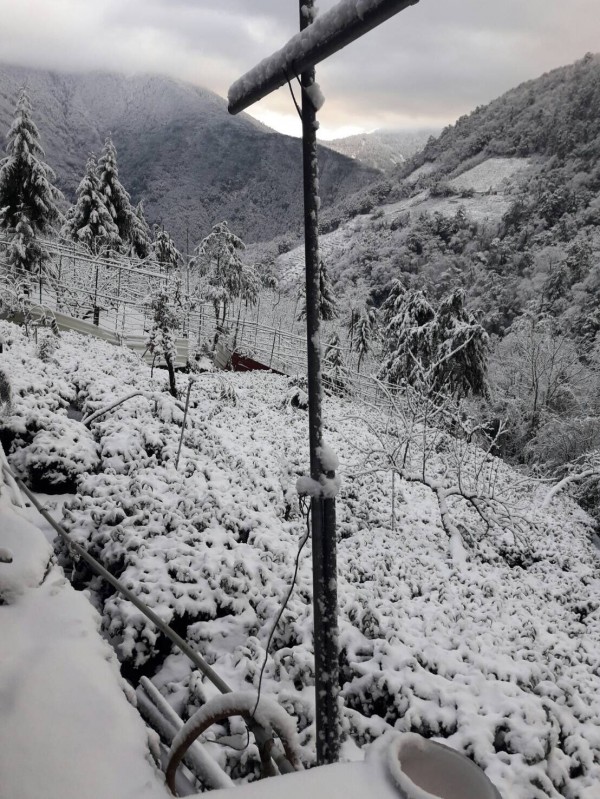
[[113, 194], [140, 235], [28, 198], [328, 305], [336, 374], [461, 347], [407, 340], [88, 221], [363, 334], [164, 249], [443, 351]]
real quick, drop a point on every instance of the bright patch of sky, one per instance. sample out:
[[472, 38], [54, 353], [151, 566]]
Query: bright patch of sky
[[425, 67]]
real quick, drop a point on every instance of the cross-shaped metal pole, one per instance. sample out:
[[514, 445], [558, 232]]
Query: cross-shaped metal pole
[[317, 40]]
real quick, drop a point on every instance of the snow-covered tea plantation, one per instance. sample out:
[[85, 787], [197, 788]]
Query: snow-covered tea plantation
[[473, 617]]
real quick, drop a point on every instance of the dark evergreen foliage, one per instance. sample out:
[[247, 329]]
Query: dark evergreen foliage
[[140, 235], [164, 249], [28, 198], [328, 303], [443, 351], [115, 198], [89, 222]]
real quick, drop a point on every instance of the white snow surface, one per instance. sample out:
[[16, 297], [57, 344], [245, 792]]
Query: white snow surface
[[490, 174], [496, 657], [339, 781], [29, 551], [67, 730]]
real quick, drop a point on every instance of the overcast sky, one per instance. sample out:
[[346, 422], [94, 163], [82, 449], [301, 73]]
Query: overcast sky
[[425, 67]]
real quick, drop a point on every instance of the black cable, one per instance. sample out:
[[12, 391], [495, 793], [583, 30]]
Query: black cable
[[298, 109], [284, 605], [306, 511]]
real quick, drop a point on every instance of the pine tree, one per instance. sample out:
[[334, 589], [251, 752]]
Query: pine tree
[[364, 329], [28, 198], [114, 196], [89, 221], [461, 346], [328, 305], [217, 261], [335, 371], [438, 352], [407, 336], [164, 249], [140, 235]]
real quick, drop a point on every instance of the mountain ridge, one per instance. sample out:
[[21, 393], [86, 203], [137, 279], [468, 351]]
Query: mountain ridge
[[383, 149], [179, 150]]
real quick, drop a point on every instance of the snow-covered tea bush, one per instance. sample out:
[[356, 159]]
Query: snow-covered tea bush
[[57, 456], [497, 655]]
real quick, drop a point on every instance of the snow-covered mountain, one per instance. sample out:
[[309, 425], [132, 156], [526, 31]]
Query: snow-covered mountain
[[383, 149], [496, 205], [179, 150]]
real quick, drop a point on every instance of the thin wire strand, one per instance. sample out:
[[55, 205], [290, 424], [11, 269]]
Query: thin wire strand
[[298, 109], [306, 512], [283, 606]]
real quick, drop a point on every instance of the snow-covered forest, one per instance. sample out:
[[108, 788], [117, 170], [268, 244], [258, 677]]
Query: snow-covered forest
[[153, 398]]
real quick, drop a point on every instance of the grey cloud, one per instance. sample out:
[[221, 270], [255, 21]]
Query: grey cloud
[[437, 59]]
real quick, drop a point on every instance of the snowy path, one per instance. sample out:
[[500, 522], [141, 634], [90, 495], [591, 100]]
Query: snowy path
[[67, 730]]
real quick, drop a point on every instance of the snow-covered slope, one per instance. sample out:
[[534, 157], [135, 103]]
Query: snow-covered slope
[[494, 652], [382, 149], [365, 246]]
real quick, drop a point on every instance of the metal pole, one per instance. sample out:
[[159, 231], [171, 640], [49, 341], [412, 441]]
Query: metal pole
[[322, 509], [185, 413], [393, 500], [96, 309]]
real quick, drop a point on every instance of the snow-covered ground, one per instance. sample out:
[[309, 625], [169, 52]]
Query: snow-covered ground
[[366, 232], [496, 656], [67, 730], [490, 174]]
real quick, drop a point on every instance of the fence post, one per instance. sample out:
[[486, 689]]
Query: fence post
[[393, 500]]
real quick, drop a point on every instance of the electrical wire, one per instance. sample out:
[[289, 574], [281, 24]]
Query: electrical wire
[[298, 109], [305, 505], [285, 602]]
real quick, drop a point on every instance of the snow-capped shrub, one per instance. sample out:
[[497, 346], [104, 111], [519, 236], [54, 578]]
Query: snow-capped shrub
[[47, 347], [496, 657], [57, 456]]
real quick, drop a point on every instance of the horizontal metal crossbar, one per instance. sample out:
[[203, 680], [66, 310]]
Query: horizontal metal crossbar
[[341, 25]]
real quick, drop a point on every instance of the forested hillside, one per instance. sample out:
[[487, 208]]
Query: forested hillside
[[504, 208], [191, 163], [383, 149]]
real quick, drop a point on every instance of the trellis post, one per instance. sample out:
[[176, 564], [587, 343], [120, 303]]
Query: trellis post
[[325, 610], [344, 23]]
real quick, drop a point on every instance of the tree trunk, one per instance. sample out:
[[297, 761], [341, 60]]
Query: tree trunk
[[171, 371]]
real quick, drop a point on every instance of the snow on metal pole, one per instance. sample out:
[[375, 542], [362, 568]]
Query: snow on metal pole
[[325, 609], [333, 30]]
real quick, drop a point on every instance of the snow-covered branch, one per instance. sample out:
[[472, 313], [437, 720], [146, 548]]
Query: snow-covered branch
[[570, 478]]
